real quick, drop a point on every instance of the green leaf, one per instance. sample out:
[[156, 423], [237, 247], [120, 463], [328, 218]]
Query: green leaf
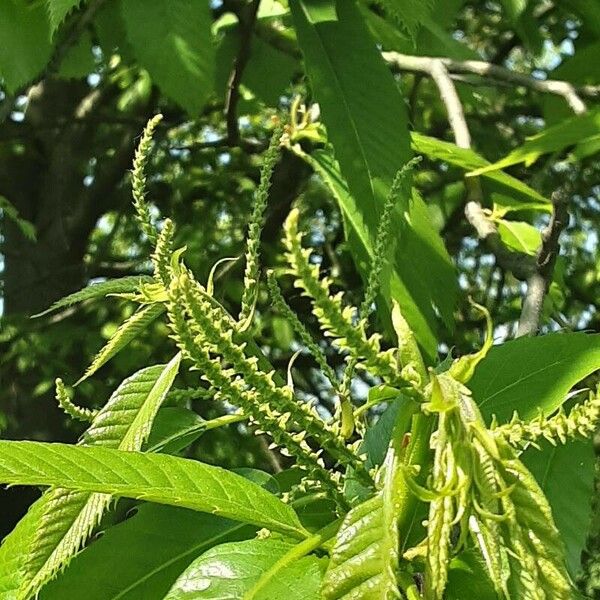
[[519, 236], [231, 570], [68, 517], [568, 132], [469, 160], [514, 8], [25, 48], [566, 474], [13, 551], [365, 557], [79, 60], [319, 11], [367, 125], [409, 14], [127, 331], [172, 40], [59, 9], [533, 374], [174, 429], [100, 290], [141, 558], [468, 578], [152, 477], [10, 211], [267, 75]]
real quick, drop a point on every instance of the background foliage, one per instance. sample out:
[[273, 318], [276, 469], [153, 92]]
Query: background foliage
[[79, 80]]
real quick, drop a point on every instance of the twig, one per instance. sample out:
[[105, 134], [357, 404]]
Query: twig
[[247, 19], [422, 64], [539, 281], [517, 263]]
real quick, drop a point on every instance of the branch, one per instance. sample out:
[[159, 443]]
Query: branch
[[539, 281], [247, 19], [422, 64], [515, 262]]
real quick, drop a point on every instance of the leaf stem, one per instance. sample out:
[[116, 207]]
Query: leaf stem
[[300, 550]]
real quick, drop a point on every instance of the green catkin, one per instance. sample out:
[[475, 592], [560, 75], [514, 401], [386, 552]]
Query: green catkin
[[257, 221], [76, 412], [581, 421], [138, 178], [336, 320], [232, 389], [380, 251], [384, 230], [182, 396], [211, 327], [282, 306], [161, 257]]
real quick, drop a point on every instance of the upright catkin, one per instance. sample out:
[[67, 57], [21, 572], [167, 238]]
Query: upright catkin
[[138, 179]]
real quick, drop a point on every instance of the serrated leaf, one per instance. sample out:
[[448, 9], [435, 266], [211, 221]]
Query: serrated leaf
[[172, 40], [566, 474], [230, 571], [127, 331], [365, 557], [10, 211], [409, 14], [127, 563], [100, 290], [469, 160], [67, 517], [25, 48], [367, 126], [152, 477], [519, 236], [59, 9], [533, 374], [569, 132]]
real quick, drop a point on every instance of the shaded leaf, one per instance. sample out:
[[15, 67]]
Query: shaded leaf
[[152, 477], [530, 374], [100, 290], [10, 211], [566, 474], [59, 9], [25, 48], [174, 429], [141, 558], [409, 14], [229, 571], [172, 40]]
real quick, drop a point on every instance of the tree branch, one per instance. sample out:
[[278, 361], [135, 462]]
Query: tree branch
[[422, 64], [486, 230], [539, 282], [247, 18]]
